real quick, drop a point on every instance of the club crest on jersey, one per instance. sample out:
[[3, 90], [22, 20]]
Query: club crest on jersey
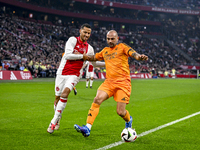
[[57, 88]]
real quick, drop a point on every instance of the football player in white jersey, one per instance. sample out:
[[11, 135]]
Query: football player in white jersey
[[77, 50], [89, 73]]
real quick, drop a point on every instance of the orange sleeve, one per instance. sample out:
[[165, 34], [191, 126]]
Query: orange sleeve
[[99, 56], [63, 54], [128, 50]]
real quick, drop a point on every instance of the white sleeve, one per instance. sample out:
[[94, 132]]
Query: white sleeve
[[86, 64], [90, 50], [69, 48], [98, 63]]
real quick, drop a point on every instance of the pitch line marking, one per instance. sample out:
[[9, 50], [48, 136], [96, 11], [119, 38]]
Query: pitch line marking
[[151, 130]]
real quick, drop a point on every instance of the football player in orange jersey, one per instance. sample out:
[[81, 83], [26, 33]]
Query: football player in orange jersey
[[117, 83]]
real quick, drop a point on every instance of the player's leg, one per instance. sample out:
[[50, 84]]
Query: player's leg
[[122, 99], [67, 84], [121, 111], [87, 82], [59, 109], [57, 98], [59, 84], [92, 114], [103, 93], [91, 78], [87, 79]]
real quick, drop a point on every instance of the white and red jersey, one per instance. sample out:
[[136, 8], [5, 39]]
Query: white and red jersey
[[90, 67], [71, 64]]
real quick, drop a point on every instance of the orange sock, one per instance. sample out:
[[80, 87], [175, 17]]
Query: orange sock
[[93, 112], [127, 116]]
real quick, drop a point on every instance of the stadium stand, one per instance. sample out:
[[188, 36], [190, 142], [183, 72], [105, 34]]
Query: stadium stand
[[35, 39]]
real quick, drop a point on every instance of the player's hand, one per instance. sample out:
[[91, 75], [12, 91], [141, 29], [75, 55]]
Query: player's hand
[[143, 57], [85, 57]]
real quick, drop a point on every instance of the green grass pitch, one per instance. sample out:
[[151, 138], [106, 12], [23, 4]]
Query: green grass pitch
[[26, 109]]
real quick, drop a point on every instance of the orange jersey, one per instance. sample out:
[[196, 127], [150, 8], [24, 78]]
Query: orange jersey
[[116, 60]]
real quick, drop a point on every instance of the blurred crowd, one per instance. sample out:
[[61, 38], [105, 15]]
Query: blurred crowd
[[185, 35], [183, 4], [38, 47]]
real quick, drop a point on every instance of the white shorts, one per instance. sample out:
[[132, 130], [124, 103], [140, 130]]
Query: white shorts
[[89, 75], [62, 82]]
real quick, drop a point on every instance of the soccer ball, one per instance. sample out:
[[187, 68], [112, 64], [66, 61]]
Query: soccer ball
[[128, 135]]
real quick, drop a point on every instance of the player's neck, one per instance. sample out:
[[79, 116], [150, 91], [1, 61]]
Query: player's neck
[[82, 40]]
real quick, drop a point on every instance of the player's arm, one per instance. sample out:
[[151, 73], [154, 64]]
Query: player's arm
[[92, 58], [139, 56], [98, 64], [69, 48], [95, 57], [91, 54], [136, 55]]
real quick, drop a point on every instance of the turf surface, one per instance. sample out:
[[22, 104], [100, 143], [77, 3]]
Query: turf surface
[[27, 108]]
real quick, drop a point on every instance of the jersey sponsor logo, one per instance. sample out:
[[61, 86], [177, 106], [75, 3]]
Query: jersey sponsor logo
[[110, 56], [12, 76], [81, 50]]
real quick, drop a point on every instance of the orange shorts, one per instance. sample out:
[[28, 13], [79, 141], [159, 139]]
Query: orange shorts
[[119, 89]]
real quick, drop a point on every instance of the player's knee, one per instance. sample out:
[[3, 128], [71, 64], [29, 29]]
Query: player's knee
[[120, 112], [65, 93], [97, 100]]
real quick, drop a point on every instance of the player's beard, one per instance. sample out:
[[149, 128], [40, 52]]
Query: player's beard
[[84, 38], [111, 44]]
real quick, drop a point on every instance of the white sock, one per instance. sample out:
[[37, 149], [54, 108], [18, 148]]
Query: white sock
[[59, 109], [91, 81], [87, 82], [89, 126]]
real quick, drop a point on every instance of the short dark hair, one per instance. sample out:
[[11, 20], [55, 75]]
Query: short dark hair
[[85, 25]]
